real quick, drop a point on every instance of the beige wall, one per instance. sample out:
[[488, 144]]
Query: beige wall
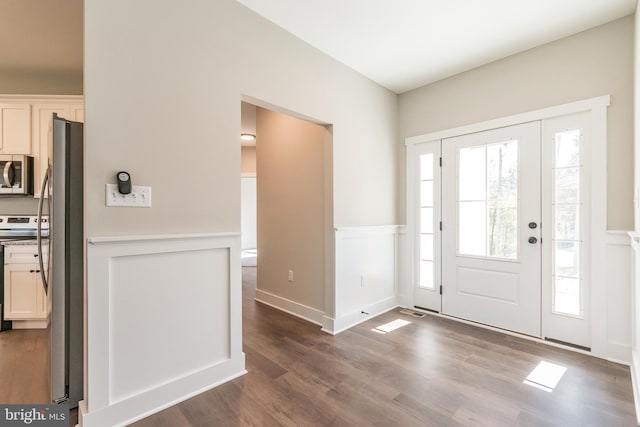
[[18, 206], [248, 160], [291, 208], [175, 99], [589, 64], [40, 83]]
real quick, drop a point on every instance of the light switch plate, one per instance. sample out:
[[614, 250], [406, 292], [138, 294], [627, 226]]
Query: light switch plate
[[140, 196]]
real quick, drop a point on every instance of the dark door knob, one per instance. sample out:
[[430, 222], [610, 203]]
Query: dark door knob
[[532, 225], [533, 240]]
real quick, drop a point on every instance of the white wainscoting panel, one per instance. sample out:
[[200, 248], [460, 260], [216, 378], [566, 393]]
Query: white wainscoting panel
[[366, 274], [163, 317], [618, 283], [635, 320]]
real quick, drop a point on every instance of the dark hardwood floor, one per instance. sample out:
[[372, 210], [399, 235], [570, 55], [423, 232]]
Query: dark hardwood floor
[[431, 372]]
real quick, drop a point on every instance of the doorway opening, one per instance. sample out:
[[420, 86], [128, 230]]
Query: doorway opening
[[286, 209]]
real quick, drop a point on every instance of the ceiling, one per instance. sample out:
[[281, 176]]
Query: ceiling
[[41, 35], [401, 44], [405, 44]]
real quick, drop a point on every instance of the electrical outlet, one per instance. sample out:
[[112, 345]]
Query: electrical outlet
[[363, 281], [140, 196], [291, 275]]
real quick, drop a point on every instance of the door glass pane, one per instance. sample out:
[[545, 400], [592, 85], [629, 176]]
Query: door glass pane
[[567, 222], [567, 150], [567, 296], [426, 278], [426, 274], [567, 258], [503, 235], [426, 220], [488, 200], [426, 193], [502, 171], [426, 166], [472, 230], [472, 174], [426, 247], [567, 206], [567, 185]]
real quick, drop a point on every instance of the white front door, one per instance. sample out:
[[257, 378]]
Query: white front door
[[491, 237]]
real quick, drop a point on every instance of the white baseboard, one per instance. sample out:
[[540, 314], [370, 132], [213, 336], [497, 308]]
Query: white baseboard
[[619, 353], [138, 407], [294, 308], [635, 370], [342, 323], [29, 324]]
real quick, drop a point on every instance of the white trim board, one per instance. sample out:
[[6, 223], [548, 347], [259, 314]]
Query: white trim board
[[141, 292], [530, 116], [39, 98], [293, 308], [349, 320]]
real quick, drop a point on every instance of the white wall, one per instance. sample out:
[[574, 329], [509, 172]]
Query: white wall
[[163, 83], [589, 64], [248, 215]]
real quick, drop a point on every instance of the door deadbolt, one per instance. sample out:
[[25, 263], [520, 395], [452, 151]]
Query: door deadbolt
[[533, 225], [533, 240]]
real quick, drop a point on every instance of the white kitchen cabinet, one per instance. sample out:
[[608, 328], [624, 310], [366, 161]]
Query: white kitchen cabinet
[[24, 297], [15, 128], [42, 115], [76, 113]]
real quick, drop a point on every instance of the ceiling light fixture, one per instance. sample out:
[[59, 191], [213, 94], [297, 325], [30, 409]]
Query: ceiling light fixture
[[247, 137]]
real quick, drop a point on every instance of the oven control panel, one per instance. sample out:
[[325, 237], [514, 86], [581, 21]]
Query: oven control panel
[[23, 222]]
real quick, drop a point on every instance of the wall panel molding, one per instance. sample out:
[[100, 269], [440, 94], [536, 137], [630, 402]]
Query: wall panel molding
[[142, 292], [366, 274]]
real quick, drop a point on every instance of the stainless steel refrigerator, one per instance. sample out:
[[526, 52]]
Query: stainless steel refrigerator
[[62, 277]]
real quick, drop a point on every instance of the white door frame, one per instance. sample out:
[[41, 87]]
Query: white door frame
[[597, 107]]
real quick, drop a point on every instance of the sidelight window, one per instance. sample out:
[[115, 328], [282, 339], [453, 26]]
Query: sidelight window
[[567, 207], [426, 221]]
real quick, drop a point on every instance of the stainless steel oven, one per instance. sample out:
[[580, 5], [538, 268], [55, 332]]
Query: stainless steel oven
[[16, 174]]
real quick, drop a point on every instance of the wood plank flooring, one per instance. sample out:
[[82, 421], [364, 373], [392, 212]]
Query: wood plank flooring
[[431, 372], [24, 374], [24, 369]]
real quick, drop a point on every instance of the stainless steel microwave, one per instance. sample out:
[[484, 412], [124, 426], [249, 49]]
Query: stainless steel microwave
[[16, 174]]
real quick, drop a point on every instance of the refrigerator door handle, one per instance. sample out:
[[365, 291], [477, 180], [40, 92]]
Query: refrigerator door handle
[[43, 274]]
